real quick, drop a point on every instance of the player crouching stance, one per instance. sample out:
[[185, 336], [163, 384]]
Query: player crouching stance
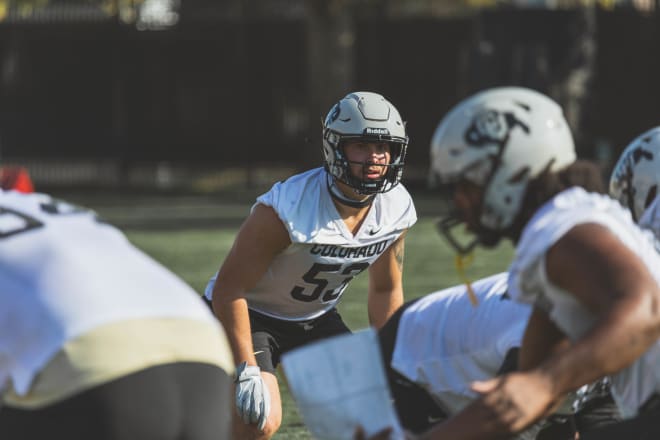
[[304, 241]]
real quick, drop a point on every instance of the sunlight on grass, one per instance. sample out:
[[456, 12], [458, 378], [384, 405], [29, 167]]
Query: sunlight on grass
[[428, 266]]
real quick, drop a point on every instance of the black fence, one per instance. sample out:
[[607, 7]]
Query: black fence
[[236, 93]]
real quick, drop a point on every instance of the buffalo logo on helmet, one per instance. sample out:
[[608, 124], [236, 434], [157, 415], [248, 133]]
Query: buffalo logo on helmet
[[625, 173], [492, 127], [334, 114], [633, 157], [640, 153]]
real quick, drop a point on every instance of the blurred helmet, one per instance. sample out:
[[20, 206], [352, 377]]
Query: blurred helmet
[[367, 117], [500, 139], [636, 175]]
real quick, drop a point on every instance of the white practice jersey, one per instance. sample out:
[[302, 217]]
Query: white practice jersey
[[64, 273], [444, 343], [309, 277], [528, 280]]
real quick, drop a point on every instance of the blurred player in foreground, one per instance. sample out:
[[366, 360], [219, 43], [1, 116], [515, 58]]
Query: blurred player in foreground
[[591, 274], [433, 349], [304, 241], [97, 340], [436, 346]]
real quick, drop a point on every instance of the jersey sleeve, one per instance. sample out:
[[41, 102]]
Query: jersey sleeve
[[297, 202], [573, 207], [403, 207]]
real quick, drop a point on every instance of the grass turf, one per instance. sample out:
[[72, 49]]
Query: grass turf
[[195, 254]]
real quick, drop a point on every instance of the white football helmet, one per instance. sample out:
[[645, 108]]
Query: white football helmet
[[370, 117], [636, 175], [500, 139]]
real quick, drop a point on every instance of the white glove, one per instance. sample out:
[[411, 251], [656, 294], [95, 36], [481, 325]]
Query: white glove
[[252, 395]]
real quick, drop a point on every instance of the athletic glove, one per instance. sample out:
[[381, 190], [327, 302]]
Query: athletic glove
[[252, 396]]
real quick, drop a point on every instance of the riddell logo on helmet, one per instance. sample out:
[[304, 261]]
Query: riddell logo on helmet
[[370, 130]]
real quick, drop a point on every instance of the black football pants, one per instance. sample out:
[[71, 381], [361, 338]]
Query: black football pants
[[180, 401]]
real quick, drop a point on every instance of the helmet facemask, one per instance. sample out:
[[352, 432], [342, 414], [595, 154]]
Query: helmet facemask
[[364, 117], [341, 166], [479, 175]]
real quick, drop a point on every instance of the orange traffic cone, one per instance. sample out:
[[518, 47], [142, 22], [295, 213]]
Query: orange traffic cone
[[16, 178]]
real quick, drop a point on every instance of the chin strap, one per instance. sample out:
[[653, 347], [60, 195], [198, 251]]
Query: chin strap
[[462, 262], [336, 194]]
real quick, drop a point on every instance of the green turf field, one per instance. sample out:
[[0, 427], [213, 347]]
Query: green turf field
[[195, 254]]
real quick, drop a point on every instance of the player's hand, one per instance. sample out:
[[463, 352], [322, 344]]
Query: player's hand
[[252, 395], [514, 401]]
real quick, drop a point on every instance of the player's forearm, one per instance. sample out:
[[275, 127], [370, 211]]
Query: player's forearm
[[624, 334], [383, 305], [233, 314]]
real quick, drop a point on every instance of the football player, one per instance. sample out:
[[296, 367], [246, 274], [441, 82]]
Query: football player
[[434, 347], [304, 241], [97, 340], [591, 274]]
